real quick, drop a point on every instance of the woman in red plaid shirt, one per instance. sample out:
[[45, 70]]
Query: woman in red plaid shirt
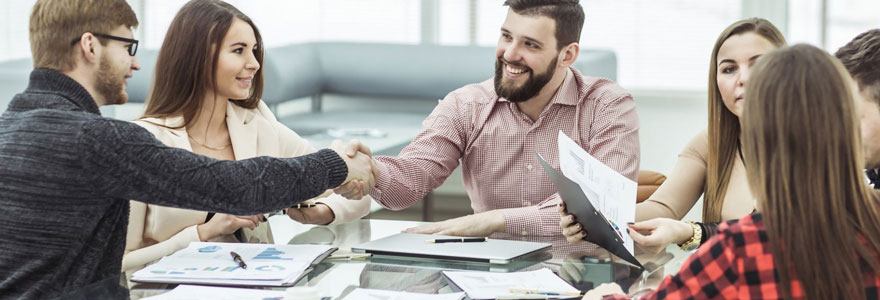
[[818, 230]]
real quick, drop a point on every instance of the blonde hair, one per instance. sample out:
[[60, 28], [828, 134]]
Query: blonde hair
[[54, 24], [724, 128], [803, 159]]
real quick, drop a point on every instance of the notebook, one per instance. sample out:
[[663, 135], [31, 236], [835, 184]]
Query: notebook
[[212, 264], [493, 251]]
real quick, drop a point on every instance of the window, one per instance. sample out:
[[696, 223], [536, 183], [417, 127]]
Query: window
[[660, 45], [14, 17], [283, 22]]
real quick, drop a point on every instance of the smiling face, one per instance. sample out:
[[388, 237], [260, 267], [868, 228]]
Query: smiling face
[[237, 63], [527, 56], [115, 66], [736, 56]]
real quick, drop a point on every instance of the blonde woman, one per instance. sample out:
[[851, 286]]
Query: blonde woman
[[818, 230], [211, 55], [711, 164]]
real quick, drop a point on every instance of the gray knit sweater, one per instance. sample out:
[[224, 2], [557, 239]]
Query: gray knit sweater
[[66, 175]]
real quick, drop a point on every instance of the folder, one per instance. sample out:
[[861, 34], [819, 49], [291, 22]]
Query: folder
[[599, 230], [211, 264]]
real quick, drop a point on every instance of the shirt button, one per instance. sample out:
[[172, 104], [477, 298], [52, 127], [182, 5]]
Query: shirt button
[[525, 232], [529, 167]]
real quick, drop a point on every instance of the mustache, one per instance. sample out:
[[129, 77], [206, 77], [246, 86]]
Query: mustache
[[519, 65]]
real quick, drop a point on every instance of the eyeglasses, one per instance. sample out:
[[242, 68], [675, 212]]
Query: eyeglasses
[[132, 49]]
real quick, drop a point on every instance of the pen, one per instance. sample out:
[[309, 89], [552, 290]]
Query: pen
[[300, 205], [350, 256], [237, 259], [518, 297], [458, 240], [548, 293]]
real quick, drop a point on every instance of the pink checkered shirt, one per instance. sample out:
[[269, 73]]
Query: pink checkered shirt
[[496, 145]]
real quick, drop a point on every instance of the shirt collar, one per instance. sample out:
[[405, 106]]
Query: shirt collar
[[54, 82]]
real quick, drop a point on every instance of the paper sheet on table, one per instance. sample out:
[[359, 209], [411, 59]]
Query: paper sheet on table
[[211, 263], [371, 294], [611, 193], [488, 285], [195, 292]]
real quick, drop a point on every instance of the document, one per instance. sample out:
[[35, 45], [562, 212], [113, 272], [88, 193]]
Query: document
[[371, 294], [213, 263], [487, 285], [611, 193], [195, 292]]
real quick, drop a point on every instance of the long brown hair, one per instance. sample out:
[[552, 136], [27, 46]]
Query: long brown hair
[[724, 128], [804, 162], [186, 67]]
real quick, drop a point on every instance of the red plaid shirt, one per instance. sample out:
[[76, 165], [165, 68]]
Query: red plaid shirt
[[735, 264], [496, 144]]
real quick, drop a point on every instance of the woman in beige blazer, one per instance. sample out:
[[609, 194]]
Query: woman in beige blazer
[[711, 164], [182, 113]]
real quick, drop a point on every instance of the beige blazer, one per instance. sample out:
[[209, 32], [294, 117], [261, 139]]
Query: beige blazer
[[155, 231], [687, 182]]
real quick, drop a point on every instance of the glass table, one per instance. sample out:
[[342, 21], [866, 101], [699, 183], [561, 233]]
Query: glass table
[[582, 265]]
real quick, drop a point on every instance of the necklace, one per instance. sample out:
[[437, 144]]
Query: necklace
[[209, 147]]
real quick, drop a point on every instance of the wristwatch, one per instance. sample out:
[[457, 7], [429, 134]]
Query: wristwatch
[[694, 242]]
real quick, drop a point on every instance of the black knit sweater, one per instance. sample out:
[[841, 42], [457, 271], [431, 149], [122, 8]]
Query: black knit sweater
[[67, 173]]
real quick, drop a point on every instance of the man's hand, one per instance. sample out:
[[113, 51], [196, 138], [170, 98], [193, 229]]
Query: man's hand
[[320, 214], [571, 229], [481, 224], [359, 185], [661, 233], [603, 290]]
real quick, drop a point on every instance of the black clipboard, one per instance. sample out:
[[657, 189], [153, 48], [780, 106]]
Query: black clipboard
[[599, 230]]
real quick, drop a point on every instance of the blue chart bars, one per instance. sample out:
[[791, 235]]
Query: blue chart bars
[[271, 254]]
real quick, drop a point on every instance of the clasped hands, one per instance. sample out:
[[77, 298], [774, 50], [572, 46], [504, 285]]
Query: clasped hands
[[362, 171]]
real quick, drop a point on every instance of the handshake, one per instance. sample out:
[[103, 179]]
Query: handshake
[[362, 171]]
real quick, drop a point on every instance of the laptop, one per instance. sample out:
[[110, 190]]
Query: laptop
[[493, 251]]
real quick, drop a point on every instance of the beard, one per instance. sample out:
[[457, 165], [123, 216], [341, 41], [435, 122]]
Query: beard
[[529, 89], [109, 84]]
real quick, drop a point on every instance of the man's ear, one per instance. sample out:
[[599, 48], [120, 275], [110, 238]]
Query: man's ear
[[85, 49], [568, 55]]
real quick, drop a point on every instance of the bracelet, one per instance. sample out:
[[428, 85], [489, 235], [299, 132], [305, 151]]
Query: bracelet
[[694, 242]]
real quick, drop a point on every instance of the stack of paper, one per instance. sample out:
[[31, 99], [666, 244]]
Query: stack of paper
[[487, 285], [212, 263], [194, 292], [370, 294]]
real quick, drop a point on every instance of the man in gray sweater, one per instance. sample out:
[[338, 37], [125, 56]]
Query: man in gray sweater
[[66, 173]]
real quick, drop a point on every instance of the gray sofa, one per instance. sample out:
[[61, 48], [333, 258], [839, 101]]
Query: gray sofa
[[357, 69], [368, 70]]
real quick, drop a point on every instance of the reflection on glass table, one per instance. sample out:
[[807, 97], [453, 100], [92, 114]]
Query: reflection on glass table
[[584, 265]]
